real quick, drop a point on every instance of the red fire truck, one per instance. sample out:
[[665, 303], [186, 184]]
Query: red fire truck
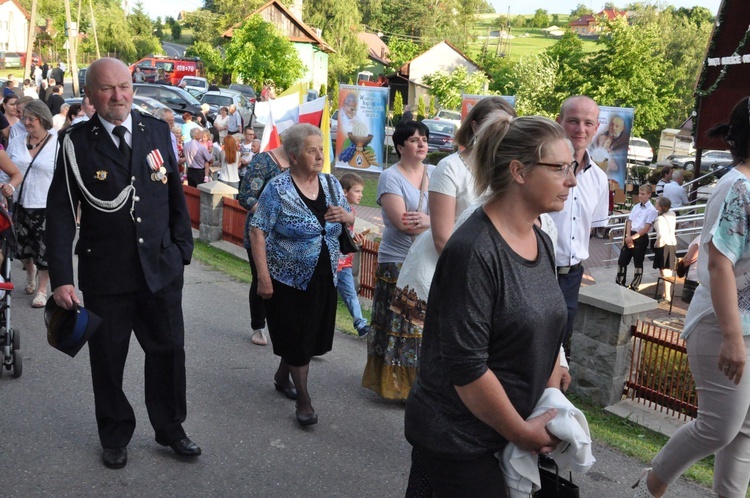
[[171, 70]]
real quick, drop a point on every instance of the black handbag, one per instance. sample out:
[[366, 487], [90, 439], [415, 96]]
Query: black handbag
[[556, 486], [346, 241]]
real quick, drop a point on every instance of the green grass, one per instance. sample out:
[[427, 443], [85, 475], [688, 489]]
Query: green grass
[[370, 193], [238, 269], [527, 41], [636, 441], [623, 435]]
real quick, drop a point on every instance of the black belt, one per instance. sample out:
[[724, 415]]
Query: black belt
[[564, 270]]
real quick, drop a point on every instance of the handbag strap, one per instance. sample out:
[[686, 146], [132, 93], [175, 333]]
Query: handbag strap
[[33, 159]]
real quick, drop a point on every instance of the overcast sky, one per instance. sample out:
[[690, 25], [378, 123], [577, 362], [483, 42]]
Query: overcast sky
[[164, 8]]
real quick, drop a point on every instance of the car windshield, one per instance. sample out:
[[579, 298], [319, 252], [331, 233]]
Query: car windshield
[[219, 100], [191, 100], [439, 127], [192, 82], [449, 115], [639, 143]]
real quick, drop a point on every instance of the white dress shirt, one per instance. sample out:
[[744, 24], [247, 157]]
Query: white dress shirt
[[128, 124], [587, 206], [642, 215], [675, 193]]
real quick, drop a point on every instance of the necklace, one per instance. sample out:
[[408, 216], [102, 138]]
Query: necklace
[[310, 190], [32, 147]]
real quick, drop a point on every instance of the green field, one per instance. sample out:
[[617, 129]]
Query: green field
[[526, 41]]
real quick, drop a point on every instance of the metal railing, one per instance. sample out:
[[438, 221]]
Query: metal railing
[[660, 377], [689, 224]]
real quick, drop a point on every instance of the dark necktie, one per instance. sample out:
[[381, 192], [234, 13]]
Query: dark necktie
[[120, 132]]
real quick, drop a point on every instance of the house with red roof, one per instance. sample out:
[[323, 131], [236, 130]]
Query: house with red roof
[[588, 25]]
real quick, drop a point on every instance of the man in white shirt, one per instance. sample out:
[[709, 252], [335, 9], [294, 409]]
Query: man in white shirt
[[587, 205], [88, 110], [674, 191]]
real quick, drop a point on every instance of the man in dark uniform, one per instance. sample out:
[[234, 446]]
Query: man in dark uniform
[[134, 241]]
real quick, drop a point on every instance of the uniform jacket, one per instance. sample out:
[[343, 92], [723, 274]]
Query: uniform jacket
[[117, 251]]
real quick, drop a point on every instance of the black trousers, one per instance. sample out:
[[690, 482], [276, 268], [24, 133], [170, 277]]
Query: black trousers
[[195, 176], [158, 324], [637, 253]]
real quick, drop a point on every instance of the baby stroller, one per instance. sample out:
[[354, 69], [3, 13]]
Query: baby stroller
[[10, 340]]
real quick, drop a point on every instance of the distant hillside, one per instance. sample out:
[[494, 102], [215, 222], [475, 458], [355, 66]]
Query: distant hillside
[[525, 41]]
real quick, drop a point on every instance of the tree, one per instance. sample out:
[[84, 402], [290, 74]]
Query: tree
[[401, 51], [580, 11], [258, 52], [540, 19], [433, 110], [335, 97], [568, 54], [398, 107], [206, 26], [555, 19], [339, 22], [420, 108], [233, 12], [447, 88], [519, 21], [631, 71], [535, 79], [176, 31], [214, 65], [142, 32], [500, 70], [610, 6]]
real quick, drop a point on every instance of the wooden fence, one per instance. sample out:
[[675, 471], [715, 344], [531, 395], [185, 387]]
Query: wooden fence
[[659, 373]]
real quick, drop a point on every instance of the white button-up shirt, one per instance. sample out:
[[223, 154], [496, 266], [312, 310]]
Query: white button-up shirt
[[676, 193], [587, 206], [642, 215]]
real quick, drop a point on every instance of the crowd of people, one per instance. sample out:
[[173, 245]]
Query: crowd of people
[[477, 281]]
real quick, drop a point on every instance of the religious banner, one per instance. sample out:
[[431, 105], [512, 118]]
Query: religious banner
[[360, 134], [609, 149], [469, 101]]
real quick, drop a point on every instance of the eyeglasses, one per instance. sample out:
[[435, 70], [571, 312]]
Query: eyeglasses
[[561, 169], [30, 119]]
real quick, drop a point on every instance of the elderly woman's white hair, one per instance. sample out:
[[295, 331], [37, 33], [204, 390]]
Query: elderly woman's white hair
[[294, 137], [39, 110]]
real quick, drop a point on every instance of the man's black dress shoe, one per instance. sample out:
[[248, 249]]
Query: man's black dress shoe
[[115, 458], [289, 392], [185, 447]]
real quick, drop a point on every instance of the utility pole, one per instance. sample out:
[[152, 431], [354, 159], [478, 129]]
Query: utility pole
[[72, 33], [30, 44], [93, 26]]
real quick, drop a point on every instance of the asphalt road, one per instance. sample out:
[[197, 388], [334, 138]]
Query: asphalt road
[[251, 443], [173, 49]]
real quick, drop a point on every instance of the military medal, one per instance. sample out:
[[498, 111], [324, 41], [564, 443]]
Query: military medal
[[156, 163], [101, 175]]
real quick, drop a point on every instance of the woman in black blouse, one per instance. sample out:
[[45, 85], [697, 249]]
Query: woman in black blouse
[[495, 315]]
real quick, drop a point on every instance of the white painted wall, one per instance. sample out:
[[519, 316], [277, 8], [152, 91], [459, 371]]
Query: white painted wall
[[14, 28], [441, 57]]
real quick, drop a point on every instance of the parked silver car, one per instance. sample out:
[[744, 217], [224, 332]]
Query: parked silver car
[[708, 158], [225, 98]]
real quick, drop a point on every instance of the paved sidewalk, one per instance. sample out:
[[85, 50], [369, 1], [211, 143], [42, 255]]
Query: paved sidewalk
[[252, 445]]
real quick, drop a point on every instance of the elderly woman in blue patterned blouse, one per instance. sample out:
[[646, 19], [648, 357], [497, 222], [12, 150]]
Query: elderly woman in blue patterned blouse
[[295, 246]]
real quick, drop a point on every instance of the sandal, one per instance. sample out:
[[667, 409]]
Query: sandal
[[31, 281], [258, 338], [40, 300]]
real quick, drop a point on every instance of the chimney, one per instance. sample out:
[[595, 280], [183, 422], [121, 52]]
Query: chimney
[[296, 9]]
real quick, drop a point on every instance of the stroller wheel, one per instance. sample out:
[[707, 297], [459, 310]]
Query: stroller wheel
[[17, 364], [16, 339]]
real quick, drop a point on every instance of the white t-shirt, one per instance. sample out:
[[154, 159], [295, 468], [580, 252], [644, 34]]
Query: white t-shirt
[[38, 180], [228, 171], [726, 209], [665, 226], [642, 215], [452, 177]]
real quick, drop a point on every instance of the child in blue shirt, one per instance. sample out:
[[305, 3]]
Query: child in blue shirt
[[353, 185]]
